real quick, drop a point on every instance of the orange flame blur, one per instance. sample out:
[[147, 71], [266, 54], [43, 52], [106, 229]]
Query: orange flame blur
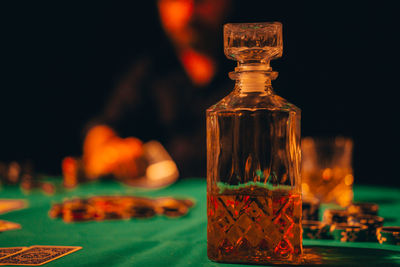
[[199, 67], [105, 153], [175, 14]]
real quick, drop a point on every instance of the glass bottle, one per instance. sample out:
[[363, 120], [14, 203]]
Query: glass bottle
[[253, 157]]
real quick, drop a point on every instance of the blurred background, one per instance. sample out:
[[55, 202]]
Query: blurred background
[[69, 66]]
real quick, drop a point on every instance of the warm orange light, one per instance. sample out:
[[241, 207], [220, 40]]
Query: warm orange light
[[69, 165], [211, 11], [327, 174], [175, 14], [199, 67], [161, 170], [105, 153], [96, 137], [69, 168], [348, 179], [305, 188]]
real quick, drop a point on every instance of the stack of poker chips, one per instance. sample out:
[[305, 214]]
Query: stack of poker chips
[[14, 172], [389, 235], [365, 214], [359, 222], [335, 216], [23, 174], [310, 209], [315, 230], [363, 208], [312, 227], [345, 232], [373, 222], [101, 208]]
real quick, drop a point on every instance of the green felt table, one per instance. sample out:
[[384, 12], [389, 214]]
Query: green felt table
[[162, 241]]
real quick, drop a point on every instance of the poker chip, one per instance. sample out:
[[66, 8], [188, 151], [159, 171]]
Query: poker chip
[[363, 208], [110, 207], [56, 211], [332, 216], [349, 233], [371, 221], [142, 208], [389, 235], [119, 207], [310, 209], [315, 230], [171, 207], [77, 210], [188, 202]]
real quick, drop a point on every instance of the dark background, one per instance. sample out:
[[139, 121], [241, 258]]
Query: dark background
[[62, 60]]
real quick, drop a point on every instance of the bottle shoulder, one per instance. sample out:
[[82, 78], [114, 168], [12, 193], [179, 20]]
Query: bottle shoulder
[[253, 101]]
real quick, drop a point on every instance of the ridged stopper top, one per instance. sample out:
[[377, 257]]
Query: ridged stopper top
[[253, 42]]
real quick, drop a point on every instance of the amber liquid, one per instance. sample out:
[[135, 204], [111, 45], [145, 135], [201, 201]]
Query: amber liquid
[[254, 225]]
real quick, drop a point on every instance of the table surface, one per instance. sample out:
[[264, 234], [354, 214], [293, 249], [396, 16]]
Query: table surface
[[162, 241]]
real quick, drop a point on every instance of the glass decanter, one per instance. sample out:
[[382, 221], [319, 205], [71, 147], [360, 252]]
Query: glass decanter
[[253, 157]]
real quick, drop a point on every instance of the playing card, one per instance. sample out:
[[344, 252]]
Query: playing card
[[8, 251], [6, 226], [7, 205], [37, 255]]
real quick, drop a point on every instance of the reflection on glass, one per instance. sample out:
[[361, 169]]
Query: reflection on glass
[[327, 172]]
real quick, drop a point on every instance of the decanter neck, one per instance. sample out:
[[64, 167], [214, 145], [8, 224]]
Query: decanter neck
[[253, 77]]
